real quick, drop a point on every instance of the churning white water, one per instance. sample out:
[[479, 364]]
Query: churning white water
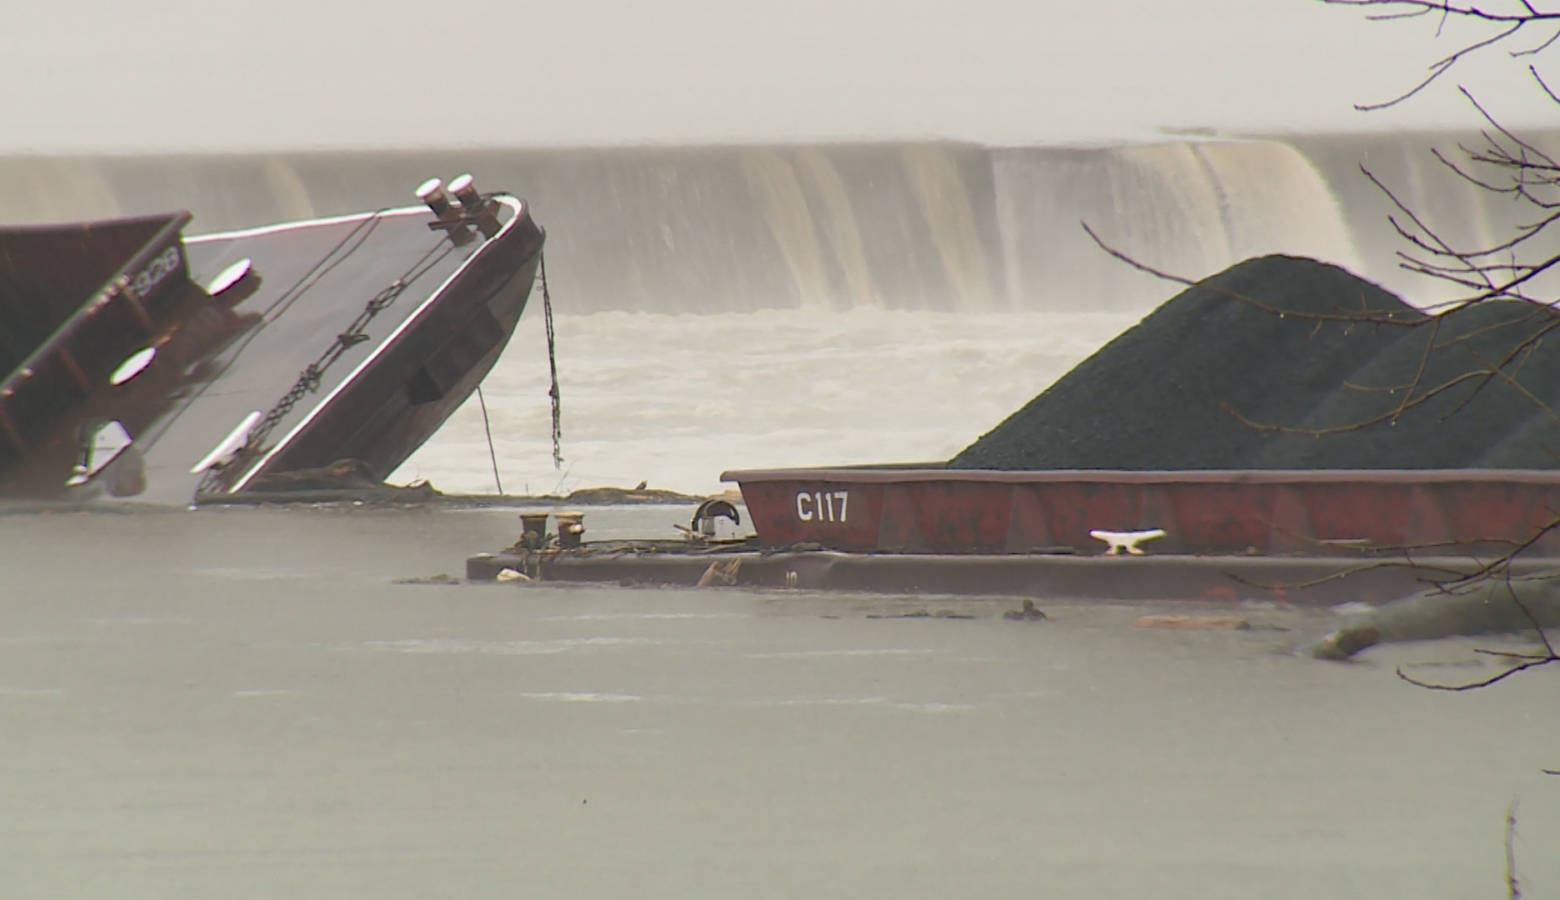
[[763, 305], [675, 399]]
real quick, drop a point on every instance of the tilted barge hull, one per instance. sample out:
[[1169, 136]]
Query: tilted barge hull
[[198, 367], [1305, 537]]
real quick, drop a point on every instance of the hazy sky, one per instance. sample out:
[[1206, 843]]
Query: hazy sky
[[107, 75]]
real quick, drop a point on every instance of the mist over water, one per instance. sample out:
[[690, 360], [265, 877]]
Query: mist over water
[[918, 225]]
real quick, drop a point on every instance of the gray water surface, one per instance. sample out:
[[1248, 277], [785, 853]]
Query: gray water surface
[[242, 703]]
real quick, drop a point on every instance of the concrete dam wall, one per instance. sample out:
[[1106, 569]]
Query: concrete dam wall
[[931, 225]]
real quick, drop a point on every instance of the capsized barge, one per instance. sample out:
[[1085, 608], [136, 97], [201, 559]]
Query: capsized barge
[[1308, 537], [141, 363]]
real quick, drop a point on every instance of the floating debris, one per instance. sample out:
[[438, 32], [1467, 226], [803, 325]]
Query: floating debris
[[722, 572], [1027, 614], [441, 578], [1194, 623]]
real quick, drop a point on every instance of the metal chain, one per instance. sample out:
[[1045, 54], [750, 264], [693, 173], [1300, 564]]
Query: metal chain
[[308, 380]]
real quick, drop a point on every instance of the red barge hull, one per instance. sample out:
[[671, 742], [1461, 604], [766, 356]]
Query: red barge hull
[[1269, 513]]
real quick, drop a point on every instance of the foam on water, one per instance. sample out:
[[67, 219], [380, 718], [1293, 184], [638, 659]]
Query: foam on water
[[676, 399], [826, 701], [849, 652], [935, 709], [502, 648], [581, 697], [638, 617]]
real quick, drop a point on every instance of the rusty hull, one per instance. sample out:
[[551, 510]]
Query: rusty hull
[[1270, 513]]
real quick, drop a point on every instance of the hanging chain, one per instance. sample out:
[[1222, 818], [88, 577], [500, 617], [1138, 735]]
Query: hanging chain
[[308, 380], [552, 366]]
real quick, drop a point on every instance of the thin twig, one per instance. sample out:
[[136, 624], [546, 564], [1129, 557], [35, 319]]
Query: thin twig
[[1475, 685]]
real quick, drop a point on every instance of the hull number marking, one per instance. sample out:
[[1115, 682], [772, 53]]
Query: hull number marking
[[822, 506], [161, 267]]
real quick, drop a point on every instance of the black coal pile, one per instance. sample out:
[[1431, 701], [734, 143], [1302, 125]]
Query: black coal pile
[[1288, 363]]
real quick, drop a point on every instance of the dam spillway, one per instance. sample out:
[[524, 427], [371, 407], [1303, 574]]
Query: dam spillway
[[912, 226]]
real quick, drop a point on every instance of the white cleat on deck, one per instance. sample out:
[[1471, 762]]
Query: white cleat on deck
[[1126, 540]]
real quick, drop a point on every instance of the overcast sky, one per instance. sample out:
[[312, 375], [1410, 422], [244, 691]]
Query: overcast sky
[[107, 75]]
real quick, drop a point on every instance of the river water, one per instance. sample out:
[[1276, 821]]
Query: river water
[[244, 703]]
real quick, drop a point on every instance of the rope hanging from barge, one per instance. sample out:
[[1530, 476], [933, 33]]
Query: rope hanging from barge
[[486, 429], [552, 366]]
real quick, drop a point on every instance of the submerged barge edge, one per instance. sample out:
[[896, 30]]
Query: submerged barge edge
[[1308, 581]]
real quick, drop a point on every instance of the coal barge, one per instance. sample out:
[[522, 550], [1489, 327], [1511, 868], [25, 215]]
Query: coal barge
[[1304, 537], [1158, 468], [141, 364]]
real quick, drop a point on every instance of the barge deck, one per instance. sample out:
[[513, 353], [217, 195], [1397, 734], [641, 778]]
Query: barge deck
[[1305, 581], [1316, 538]]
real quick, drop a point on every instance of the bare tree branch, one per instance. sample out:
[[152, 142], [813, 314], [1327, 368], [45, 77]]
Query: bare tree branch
[[1475, 685], [1141, 267], [1510, 267], [1512, 24]]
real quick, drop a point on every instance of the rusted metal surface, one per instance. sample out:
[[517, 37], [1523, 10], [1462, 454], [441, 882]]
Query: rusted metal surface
[[75, 300], [355, 337], [1202, 512]]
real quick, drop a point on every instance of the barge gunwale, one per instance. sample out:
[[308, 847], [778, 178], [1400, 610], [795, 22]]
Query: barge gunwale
[[889, 474], [1312, 582]]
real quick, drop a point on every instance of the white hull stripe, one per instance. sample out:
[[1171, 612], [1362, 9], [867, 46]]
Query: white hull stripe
[[304, 223]]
